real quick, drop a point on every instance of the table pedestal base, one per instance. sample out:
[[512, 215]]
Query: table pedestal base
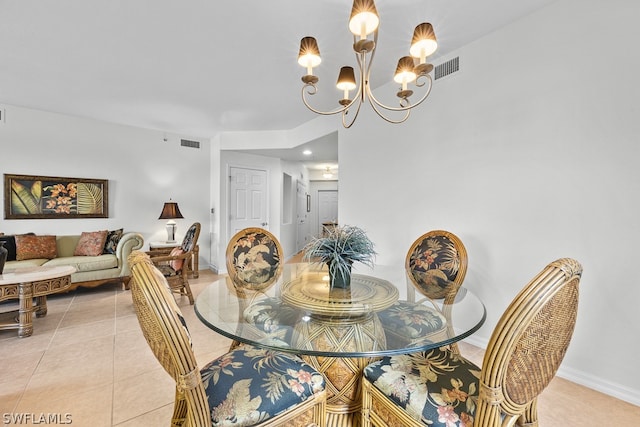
[[342, 374]]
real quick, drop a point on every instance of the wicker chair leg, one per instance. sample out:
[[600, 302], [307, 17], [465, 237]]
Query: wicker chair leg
[[530, 416], [179, 416]]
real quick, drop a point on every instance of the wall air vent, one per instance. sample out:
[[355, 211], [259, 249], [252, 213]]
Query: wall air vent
[[446, 68], [187, 143]]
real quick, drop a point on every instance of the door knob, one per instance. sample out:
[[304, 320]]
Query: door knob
[[264, 224]]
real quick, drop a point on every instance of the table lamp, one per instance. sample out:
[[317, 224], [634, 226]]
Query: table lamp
[[171, 211]]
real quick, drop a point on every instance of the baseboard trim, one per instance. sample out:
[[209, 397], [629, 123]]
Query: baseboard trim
[[587, 380]]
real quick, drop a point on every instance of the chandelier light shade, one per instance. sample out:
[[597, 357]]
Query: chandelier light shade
[[309, 55], [364, 18], [413, 69], [171, 211]]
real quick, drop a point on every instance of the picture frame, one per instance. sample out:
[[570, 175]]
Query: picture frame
[[51, 197]]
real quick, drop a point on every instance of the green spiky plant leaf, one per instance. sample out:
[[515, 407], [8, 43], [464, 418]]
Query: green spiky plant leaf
[[339, 249]]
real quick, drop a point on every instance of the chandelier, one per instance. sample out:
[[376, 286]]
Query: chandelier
[[363, 24]]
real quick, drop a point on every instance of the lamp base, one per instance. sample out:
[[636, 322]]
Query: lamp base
[[171, 231]]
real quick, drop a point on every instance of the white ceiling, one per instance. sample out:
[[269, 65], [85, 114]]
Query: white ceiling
[[199, 67]]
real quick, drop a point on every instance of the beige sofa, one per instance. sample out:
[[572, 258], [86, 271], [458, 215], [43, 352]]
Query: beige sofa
[[91, 271]]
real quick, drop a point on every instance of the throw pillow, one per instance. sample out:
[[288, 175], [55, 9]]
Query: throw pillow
[[10, 246], [176, 264], [91, 243], [32, 247], [113, 237]]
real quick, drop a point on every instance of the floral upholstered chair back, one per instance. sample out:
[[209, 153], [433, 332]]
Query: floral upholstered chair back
[[191, 237], [434, 261], [254, 258]]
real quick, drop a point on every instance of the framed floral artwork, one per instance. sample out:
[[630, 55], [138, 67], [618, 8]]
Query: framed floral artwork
[[50, 197]]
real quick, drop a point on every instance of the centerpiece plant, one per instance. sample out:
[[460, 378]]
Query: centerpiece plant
[[339, 248]]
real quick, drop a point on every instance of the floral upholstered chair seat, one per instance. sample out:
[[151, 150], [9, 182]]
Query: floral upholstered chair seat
[[407, 322], [248, 385], [273, 318], [433, 387]]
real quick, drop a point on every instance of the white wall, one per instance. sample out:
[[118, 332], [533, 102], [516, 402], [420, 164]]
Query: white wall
[[143, 172], [528, 154]]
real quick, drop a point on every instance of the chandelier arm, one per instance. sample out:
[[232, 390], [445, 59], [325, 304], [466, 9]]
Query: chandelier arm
[[312, 91], [373, 100], [355, 116], [375, 104]]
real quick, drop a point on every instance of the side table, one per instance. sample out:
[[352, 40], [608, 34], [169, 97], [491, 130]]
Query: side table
[[25, 284], [164, 248]]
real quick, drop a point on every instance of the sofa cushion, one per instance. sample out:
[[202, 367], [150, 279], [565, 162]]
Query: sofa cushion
[[35, 262], [30, 247], [91, 243], [10, 246], [113, 237], [87, 263]]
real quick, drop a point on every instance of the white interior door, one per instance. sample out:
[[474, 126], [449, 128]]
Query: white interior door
[[327, 207], [302, 225], [247, 199]]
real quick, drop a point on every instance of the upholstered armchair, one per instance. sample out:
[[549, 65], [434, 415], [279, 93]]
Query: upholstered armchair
[[436, 264], [174, 266], [248, 386], [440, 388]]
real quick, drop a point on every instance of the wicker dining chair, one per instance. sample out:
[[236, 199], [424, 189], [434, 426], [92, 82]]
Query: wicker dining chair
[[435, 265], [439, 388], [248, 386], [254, 264], [175, 265]]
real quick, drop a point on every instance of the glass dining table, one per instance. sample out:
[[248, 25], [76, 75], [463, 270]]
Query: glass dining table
[[339, 331]]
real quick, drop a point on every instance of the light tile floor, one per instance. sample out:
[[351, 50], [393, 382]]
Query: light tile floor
[[88, 358]]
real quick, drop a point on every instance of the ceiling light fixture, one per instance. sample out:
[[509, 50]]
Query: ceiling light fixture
[[364, 26], [327, 173]]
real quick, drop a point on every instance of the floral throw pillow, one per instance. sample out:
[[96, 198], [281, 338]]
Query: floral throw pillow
[[113, 237], [33, 247], [91, 243]]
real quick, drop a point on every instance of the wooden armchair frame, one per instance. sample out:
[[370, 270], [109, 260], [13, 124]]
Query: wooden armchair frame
[[179, 282]]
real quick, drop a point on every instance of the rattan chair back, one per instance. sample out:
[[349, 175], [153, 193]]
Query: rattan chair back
[[528, 345], [165, 331]]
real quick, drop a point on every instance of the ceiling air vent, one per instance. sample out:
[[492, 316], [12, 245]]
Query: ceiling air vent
[[187, 143], [446, 68]]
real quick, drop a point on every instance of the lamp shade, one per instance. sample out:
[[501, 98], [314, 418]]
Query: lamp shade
[[309, 55], [346, 79], [404, 70], [364, 18], [424, 41], [170, 210]]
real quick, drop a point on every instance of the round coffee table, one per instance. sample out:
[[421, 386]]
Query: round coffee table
[[25, 284]]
